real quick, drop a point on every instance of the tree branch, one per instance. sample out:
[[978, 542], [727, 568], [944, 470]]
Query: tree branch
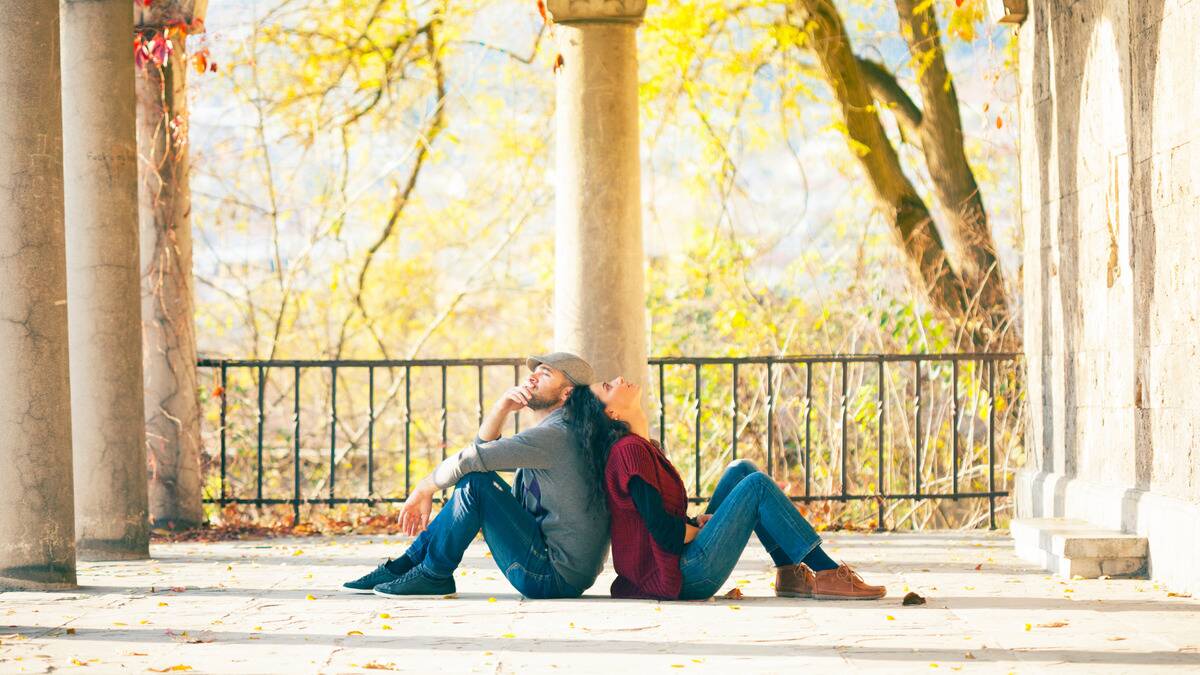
[[887, 90]]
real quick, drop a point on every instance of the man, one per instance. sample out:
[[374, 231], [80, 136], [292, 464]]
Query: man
[[548, 534]]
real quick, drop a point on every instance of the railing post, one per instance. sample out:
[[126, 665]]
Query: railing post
[[224, 408], [735, 409], [991, 444], [296, 450], [954, 416], [333, 418], [699, 412], [370, 431], [770, 420], [808, 428], [917, 427], [881, 484], [407, 429], [258, 494], [662, 410], [845, 443]]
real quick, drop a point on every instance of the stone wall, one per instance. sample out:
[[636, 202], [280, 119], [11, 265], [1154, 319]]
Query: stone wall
[[1110, 164]]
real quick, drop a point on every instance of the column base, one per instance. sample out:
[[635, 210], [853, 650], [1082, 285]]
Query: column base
[[98, 550], [38, 578], [1171, 526]]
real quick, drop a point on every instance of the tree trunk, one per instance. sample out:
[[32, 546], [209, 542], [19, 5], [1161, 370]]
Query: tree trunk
[[968, 292], [941, 140], [895, 195], [172, 402]]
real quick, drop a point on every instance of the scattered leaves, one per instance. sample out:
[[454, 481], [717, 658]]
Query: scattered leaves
[[355, 632], [912, 598], [375, 665], [1052, 624], [734, 593], [1173, 594], [310, 596], [168, 669], [70, 631]]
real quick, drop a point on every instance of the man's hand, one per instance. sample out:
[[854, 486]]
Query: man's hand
[[702, 519], [514, 399], [689, 532], [414, 514]]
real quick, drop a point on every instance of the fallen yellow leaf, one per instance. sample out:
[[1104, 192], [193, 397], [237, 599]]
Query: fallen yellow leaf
[[491, 599], [508, 635], [168, 669], [385, 615], [310, 596], [355, 632], [386, 627], [1028, 626], [890, 617], [297, 552], [162, 604]]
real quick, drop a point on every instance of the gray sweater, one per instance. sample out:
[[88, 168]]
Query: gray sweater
[[555, 484]]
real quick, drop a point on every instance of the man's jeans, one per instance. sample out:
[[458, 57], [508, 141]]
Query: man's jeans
[[484, 501], [746, 500]]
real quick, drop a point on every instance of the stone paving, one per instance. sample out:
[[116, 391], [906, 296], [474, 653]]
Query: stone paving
[[273, 606]]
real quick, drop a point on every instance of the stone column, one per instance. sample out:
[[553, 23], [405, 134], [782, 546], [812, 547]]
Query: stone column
[[599, 295], [37, 530], [168, 314], [103, 277]]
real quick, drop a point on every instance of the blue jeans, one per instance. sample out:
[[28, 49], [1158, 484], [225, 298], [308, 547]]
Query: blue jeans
[[746, 500], [484, 501]]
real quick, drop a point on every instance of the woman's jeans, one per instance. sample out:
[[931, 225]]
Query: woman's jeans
[[746, 500], [484, 501]]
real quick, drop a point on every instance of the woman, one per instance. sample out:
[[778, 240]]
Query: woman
[[660, 553]]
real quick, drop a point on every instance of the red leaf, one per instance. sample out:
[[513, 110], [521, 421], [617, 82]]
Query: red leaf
[[999, 122], [558, 62], [958, 3], [541, 5]]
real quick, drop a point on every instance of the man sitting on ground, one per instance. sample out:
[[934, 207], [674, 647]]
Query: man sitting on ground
[[548, 533]]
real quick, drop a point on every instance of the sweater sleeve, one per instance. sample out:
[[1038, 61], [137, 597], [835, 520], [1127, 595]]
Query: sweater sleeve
[[666, 529], [538, 447]]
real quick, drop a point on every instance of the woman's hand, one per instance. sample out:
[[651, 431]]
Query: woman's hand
[[689, 532]]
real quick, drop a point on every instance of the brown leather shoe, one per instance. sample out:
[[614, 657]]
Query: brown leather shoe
[[844, 583], [794, 581]]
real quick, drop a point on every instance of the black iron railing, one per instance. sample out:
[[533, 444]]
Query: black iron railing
[[882, 438]]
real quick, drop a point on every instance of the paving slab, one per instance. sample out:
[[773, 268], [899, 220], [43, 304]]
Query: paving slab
[[273, 606]]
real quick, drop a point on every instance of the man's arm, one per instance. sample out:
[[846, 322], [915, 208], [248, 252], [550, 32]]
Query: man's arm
[[510, 453]]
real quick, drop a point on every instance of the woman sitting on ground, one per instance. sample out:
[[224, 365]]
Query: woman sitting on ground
[[660, 553]]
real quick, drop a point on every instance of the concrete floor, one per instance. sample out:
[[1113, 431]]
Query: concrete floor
[[273, 606]]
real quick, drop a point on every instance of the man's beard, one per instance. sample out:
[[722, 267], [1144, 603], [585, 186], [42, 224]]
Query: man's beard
[[543, 402]]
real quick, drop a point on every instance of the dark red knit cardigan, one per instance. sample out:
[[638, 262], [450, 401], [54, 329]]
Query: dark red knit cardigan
[[644, 570]]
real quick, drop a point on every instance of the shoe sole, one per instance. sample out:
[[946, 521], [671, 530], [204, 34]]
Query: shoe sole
[[359, 591], [848, 597], [792, 594], [414, 595]]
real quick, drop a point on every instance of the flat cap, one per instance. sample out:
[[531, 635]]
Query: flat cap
[[577, 370]]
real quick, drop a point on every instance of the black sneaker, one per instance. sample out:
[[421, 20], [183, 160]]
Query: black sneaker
[[366, 583], [416, 583]]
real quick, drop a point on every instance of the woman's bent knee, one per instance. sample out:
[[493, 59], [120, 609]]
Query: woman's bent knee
[[742, 465]]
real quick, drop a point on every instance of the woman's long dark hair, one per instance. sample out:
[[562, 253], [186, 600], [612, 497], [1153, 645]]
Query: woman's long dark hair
[[594, 431]]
